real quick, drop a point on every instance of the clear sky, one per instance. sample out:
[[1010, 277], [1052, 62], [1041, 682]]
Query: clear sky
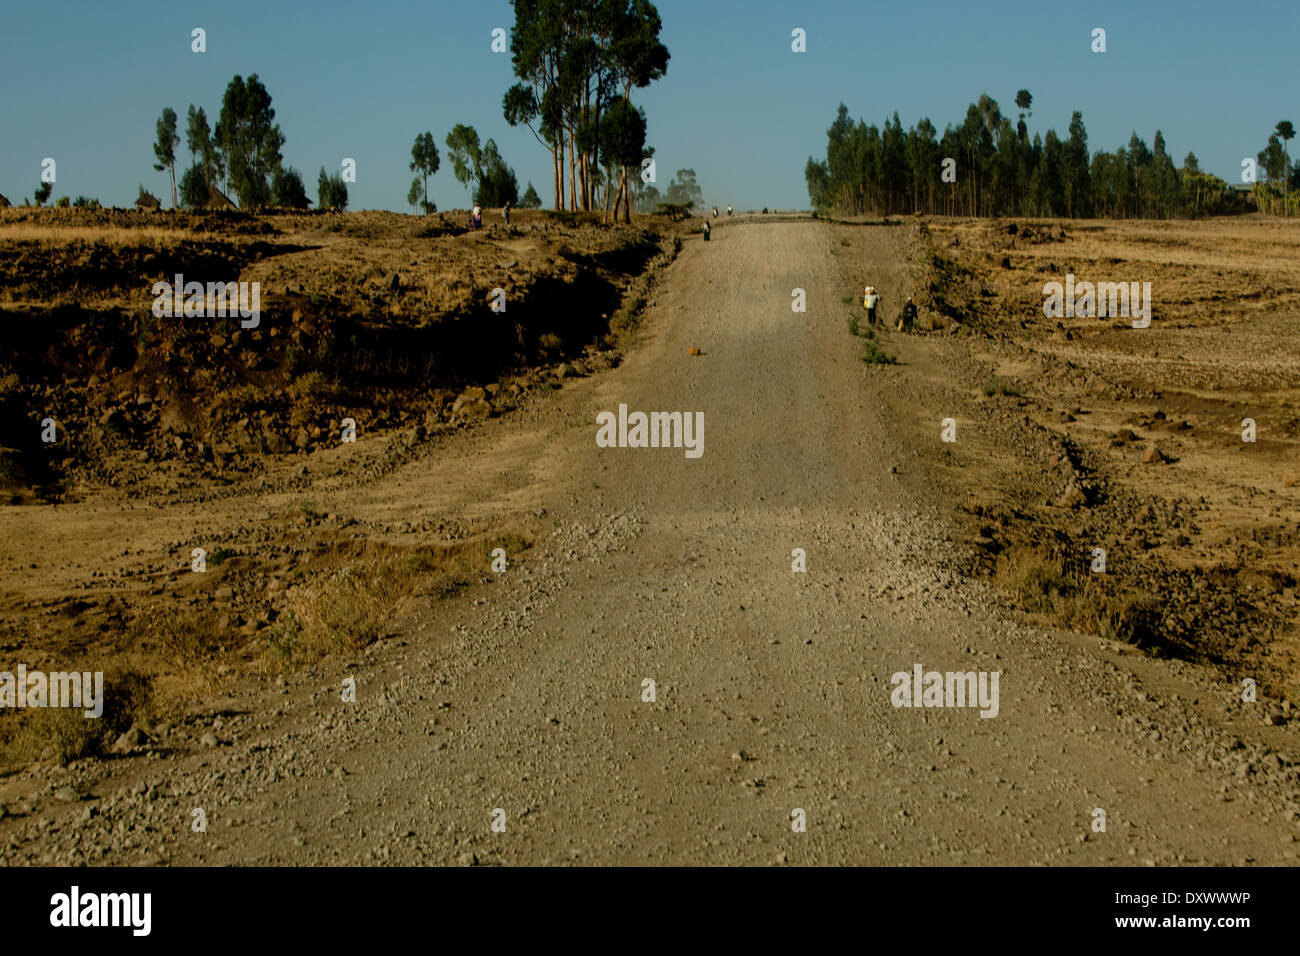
[[84, 83]]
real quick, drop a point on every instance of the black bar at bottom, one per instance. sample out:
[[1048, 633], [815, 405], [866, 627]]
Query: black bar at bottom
[[335, 906]]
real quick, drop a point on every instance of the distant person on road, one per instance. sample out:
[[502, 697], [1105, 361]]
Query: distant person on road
[[715, 212], [476, 217], [706, 230], [870, 300], [505, 211], [728, 210], [908, 319]]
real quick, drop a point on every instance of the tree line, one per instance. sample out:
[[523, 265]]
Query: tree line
[[242, 153], [989, 167], [576, 62]]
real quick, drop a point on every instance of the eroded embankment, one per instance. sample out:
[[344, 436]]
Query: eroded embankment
[[354, 321]]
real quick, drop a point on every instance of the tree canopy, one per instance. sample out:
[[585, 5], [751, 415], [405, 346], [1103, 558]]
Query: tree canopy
[[574, 60], [250, 140]]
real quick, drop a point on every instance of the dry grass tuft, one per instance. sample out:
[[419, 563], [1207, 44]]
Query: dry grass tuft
[[1042, 585]]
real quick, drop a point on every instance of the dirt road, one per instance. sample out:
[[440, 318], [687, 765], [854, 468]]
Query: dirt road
[[772, 687]]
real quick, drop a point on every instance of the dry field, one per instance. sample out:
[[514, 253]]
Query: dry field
[[1096, 434]]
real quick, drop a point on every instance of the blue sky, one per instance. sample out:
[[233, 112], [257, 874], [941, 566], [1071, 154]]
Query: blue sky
[[84, 83]]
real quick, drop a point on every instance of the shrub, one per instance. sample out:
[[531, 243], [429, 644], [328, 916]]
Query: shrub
[[626, 318], [996, 387], [550, 345], [872, 354], [332, 191], [288, 191], [69, 735], [531, 200], [314, 388], [194, 189]]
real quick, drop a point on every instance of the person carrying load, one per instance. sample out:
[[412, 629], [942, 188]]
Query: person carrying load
[[869, 301]]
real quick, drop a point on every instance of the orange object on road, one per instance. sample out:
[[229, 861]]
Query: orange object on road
[[695, 351]]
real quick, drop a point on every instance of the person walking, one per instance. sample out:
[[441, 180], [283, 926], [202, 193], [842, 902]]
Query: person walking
[[908, 319], [870, 300], [505, 211], [476, 217]]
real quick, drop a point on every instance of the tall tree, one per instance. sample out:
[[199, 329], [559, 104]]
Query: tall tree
[[817, 175], [1164, 178], [198, 136], [1078, 189], [207, 165], [893, 163], [623, 132], [683, 190], [1139, 165], [496, 183], [424, 162], [164, 149], [574, 59], [466, 154], [649, 199], [1285, 132], [249, 140], [1024, 100], [536, 46]]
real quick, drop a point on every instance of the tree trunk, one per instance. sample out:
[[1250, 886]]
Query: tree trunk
[[557, 175], [573, 190], [605, 216]]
